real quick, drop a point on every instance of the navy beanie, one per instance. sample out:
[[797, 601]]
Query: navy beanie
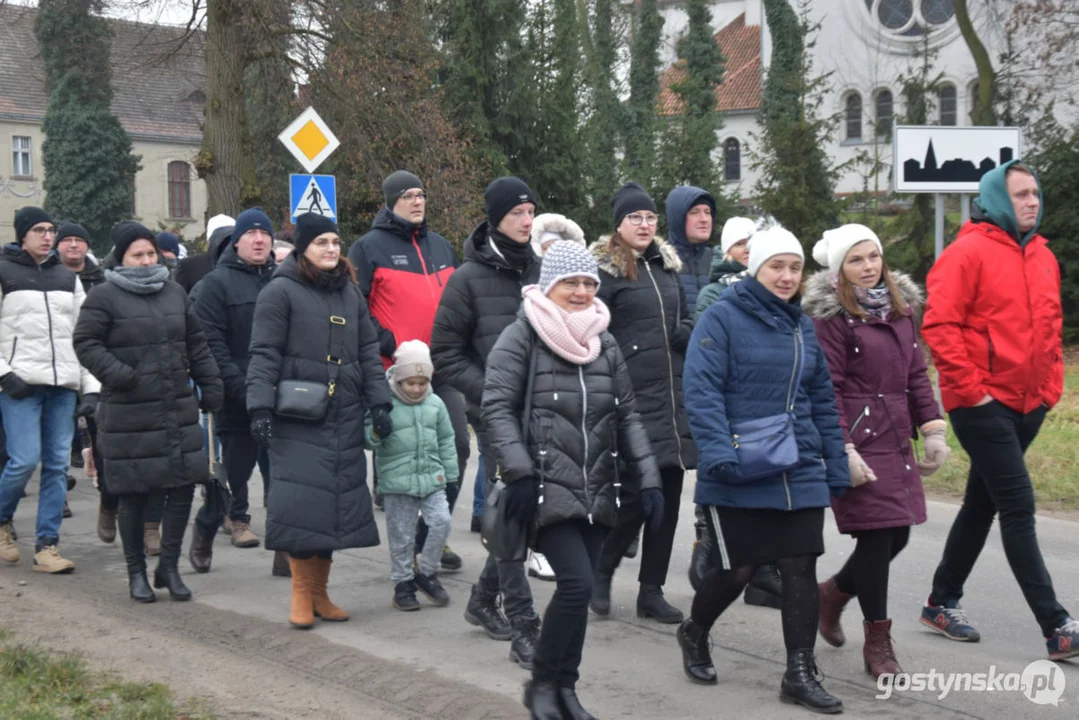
[[67, 229], [251, 219], [126, 232], [308, 227], [503, 195], [168, 241], [631, 198], [28, 217]]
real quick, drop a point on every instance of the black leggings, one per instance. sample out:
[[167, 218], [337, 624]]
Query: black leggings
[[866, 572], [719, 588]]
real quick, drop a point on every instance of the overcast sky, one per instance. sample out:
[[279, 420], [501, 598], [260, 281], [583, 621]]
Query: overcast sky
[[165, 12]]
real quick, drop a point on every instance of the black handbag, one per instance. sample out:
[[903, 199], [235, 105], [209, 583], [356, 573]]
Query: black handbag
[[306, 400], [504, 537], [768, 446]]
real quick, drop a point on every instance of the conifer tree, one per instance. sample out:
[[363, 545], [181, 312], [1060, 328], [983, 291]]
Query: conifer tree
[[604, 122], [641, 120]]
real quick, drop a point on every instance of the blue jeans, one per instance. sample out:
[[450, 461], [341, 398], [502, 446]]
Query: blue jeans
[[479, 490], [39, 429]]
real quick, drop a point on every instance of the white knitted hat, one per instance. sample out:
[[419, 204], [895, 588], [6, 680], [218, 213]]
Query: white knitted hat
[[412, 359], [766, 244], [735, 230], [548, 227], [566, 259], [831, 250], [216, 222]]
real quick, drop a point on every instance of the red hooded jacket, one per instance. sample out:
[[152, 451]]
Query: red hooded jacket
[[994, 321]]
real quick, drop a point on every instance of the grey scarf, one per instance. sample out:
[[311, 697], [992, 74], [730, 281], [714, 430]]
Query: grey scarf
[[144, 280]]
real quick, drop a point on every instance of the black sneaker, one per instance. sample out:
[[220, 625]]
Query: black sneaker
[[380, 503], [432, 588], [404, 596], [952, 623], [477, 524], [765, 589], [631, 551], [67, 510], [1064, 642], [483, 611], [451, 561], [71, 482], [525, 640]]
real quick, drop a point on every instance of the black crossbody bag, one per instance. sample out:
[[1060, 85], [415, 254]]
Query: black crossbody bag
[[306, 400]]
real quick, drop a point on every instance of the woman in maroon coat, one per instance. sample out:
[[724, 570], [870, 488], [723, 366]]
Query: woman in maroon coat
[[864, 316]]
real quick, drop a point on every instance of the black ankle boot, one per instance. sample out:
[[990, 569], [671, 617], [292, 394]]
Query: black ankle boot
[[800, 685], [696, 657], [765, 589], [541, 699], [601, 594], [169, 577], [140, 587], [173, 524], [652, 604], [571, 706], [701, 561]]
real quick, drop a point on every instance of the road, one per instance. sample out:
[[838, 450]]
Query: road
[[233, 647]]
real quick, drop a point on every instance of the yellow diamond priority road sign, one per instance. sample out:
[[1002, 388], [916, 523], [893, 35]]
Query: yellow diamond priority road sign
[[309, 139]]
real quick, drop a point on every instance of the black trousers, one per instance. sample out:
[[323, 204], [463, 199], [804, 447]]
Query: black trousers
[[656, 547], [455, 405], [239, 454], [996, 438], [865, 574], [573, 549]]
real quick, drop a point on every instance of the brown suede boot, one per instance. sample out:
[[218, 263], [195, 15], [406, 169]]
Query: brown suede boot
[[106, 524], [152, 538], [321, 600], [878, 651], [301, 613], [832, 602]]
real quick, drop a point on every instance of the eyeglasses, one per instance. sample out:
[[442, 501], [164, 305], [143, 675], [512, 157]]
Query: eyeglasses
[[638, 219], [50, 230], [414, 196], [575, 283]]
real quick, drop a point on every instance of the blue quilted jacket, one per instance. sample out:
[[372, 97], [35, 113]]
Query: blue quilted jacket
[[740, 364]]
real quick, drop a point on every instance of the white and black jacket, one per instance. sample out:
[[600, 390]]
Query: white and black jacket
[[39, 305]]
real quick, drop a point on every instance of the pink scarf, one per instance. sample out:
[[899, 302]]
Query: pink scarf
[[573, 336]]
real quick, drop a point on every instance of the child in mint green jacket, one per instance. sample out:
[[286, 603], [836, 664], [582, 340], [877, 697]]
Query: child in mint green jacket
[[414, 466]]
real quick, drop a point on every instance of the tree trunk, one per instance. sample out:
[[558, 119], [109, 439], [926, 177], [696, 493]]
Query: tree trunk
[[983, 112], [224, 161]]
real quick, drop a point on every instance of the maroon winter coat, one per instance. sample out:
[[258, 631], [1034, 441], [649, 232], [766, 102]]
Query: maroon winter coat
[[879, 365]]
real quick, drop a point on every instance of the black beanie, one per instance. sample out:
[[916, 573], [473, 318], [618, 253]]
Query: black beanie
[[67, 229], [28, 217], [396, 184], [503, 195], [126, 232], [308, 227], [630, 198]]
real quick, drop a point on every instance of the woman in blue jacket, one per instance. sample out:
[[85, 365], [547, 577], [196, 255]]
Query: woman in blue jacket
[[762, 411]]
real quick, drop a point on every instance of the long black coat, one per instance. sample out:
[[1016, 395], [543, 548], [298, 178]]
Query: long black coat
[[225, 301], [145, 349], [481, 300], [579, 415], [318, 472], [650, 321]]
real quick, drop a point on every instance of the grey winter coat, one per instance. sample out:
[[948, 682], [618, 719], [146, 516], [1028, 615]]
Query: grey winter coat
[[145, 350], [318, 472], [581, 415]]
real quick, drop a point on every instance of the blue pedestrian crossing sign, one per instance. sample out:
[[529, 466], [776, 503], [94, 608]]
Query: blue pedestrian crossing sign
[[314, 194]]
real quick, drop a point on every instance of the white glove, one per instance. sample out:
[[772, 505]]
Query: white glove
[[860, 472], [936, 449]]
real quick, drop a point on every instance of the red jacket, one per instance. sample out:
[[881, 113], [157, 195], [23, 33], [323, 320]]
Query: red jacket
[[994, 322]]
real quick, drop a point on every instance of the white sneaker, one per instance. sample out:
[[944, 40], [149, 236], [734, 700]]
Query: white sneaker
[[538, 567]]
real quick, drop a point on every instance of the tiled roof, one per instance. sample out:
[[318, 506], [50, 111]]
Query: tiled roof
[[741, 86], [158, 76]]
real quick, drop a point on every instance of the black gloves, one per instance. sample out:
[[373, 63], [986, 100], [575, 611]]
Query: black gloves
[[652, 505], [381, 423], [87, 405], [522, 500], [16, 387], [262, 426]]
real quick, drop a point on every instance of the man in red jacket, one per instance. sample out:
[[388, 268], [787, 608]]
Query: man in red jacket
[[996, 338], [402, 268]]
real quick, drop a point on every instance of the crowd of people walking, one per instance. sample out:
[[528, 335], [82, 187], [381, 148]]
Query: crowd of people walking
[[595, 376]]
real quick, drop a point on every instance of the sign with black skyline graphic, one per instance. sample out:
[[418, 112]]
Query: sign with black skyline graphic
[[933, 158]]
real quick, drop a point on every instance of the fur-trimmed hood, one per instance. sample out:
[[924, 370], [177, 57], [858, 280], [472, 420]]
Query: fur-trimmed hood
[[819, 299], [555, 223], [601, 250]]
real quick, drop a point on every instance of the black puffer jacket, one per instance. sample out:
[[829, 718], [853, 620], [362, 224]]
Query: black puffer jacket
[[318, 473], [580, 415], [481, 300], [650, 322], [225, 303], [145, 349], [192, 269], [91, 276]]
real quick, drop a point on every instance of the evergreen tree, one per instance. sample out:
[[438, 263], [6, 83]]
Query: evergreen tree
[[604, 123], [797, 178], [89, 168], [690, 140], [641, 117]]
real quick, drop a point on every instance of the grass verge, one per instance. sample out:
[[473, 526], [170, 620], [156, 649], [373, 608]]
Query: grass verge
[[36, 684], [1053, 459]]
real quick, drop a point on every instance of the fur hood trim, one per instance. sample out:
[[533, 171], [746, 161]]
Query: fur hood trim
[[601, 250], [819, 299], [555, 223]]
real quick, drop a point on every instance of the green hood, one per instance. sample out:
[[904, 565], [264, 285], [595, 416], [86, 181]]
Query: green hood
[[995, 203], [723, 266]]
